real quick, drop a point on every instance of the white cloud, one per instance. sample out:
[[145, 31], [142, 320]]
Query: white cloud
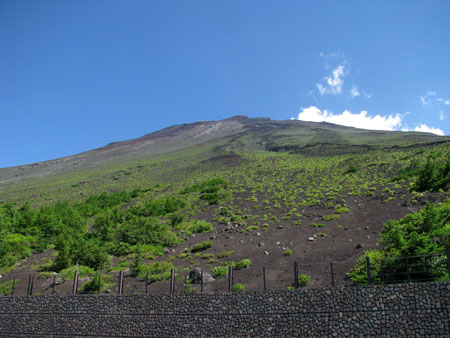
[[430, 100], [425, 129], [354, 92], [337, 68], [427, 99], [333, 82], [363, 120], [347, 118], [367, 95]]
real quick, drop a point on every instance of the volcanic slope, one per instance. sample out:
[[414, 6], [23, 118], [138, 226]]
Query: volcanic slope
[[242, 192]]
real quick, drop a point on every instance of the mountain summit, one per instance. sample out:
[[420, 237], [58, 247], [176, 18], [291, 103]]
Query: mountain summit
[[236, 133]]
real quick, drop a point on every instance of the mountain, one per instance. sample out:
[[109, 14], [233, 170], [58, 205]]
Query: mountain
[[247, 192], [237, 133]]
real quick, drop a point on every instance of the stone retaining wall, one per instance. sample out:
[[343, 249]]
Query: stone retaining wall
[[393, 310]]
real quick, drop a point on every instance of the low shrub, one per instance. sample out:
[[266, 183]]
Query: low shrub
[[287, 252], [195, 226], [156, 271], [201, 246], [225, 254], [98, 283], [303, 280], [238, 287], [219, 271], [330, 218], [341, 210]]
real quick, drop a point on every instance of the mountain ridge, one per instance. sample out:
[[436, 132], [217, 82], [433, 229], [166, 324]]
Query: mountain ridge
[[237, 133]]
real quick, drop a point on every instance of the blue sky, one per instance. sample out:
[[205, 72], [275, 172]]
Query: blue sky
[[76, 75]]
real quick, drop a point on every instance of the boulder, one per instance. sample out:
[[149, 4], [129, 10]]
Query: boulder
[[195, 276]]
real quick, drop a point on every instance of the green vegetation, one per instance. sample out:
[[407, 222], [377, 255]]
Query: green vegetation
[[251, 182], [250, 228], [201, 246], [6, 287], [65, 227], [156, 271], [195, 226], [242, 264], [212, 191], [238, 287], [98, 283], [219, 271], [341, 210], [303, 280], [433, 175], [287, 252], [329, 218], [225, 254], [419, 234]]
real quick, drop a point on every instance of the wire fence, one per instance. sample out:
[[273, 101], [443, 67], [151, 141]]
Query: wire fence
[[388, 270]]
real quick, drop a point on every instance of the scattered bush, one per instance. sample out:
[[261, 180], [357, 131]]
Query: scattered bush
[[242, 264], [330, 218], [341, 210], [159, 207], [238, 287], [98, 283], [195, 226], [287, 252], [250, 228], [219, 271], [303, 280], [225, 254], [352, 168], [68, 273], [6, 287], [156, 271], [201, 246]]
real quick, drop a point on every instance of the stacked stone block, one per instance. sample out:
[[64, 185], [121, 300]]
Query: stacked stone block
[[414, 310]]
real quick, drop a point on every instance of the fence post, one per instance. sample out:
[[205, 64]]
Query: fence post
[[30, 285], [296, 284], [230, 278], [54, 282], [264, 277], [13, 286], [146, 284], [369, 282], [448, 263], [201, 280], [99, 282], [407, 269], [120, 283], [75, 283], [172, 280], [332, 274]]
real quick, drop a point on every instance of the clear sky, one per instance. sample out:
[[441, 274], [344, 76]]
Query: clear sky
[[76, 75]]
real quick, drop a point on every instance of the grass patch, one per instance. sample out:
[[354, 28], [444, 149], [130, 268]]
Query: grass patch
[[201, 246], [330, 218]]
